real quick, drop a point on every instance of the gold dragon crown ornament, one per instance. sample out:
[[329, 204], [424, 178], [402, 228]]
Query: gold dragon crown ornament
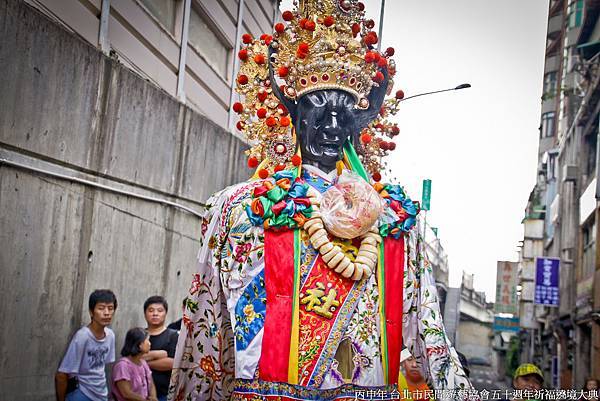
[[326, 44]]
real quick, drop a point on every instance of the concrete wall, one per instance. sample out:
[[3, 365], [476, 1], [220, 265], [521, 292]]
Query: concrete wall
[[452, 314], [66, 108], [475, 339]]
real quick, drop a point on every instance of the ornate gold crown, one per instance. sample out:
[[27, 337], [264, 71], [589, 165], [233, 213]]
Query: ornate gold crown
[[326, 44]]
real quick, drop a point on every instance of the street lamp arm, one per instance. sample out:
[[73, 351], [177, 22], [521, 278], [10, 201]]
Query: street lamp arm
[[461, 86], [381, 15]]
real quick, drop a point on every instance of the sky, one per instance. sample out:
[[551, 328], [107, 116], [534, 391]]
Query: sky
[[477, 145]]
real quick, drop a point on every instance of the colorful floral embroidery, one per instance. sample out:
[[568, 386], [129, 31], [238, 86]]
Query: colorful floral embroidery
[[320, 333], [242, 251], [250, 312], [205, 362], [361, 361], [342, 322], [367, 319], [423, 328], [259, 390]]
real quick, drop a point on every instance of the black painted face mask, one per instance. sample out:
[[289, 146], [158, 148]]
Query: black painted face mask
[[325, 121]]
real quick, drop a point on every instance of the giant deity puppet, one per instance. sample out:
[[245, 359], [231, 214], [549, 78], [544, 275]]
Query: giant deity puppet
[[312, 275]]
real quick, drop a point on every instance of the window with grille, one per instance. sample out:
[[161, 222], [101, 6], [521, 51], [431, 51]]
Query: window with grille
[[589, 250], [590, 149], [575, 13], [205, 39], [547, 127], [163, 10], [550, 84]]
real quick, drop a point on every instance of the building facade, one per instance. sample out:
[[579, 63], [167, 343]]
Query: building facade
[[114, 131], [468, 320], [439, 262], [186, 47], [561, 213], [107, 156]]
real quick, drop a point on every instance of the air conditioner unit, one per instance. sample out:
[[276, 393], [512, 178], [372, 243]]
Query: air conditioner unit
[[569, 173]]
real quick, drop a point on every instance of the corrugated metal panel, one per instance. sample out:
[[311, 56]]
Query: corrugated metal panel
[[141, 58], [76, 16], [144, 45], [151, 33], [202, 71], [221, 18], [200, 99]]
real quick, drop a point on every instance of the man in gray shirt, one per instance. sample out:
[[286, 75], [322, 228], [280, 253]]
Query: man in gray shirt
[[91, 349]]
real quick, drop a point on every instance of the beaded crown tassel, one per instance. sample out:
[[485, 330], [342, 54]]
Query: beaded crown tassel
[[324, 44]]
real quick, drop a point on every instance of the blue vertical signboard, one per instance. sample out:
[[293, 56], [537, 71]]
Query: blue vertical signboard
[[546, 281]]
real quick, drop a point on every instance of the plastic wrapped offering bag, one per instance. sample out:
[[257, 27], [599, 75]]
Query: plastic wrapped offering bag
[[350, 207]]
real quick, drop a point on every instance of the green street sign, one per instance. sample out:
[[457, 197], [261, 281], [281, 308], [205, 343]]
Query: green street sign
[[426, 199]]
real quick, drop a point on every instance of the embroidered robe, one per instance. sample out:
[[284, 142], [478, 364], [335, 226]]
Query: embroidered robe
[[339, 348]]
